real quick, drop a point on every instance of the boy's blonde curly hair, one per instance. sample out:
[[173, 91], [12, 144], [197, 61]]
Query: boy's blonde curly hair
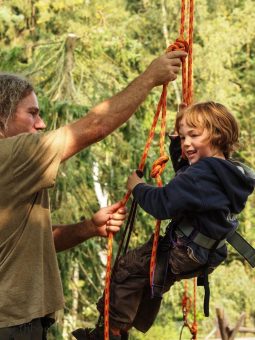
[[217, 119]]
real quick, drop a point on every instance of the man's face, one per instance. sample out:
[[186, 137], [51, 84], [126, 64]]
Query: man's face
[[26, 118]]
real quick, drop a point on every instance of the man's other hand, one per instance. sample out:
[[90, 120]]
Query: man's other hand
[[109, 219]]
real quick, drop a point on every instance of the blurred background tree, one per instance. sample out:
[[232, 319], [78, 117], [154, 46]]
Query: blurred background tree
[[79, 52]]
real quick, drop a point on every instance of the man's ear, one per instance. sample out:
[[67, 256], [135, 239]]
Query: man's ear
[[2, 129]]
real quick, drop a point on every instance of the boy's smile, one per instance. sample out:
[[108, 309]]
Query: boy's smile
[[196, 143]]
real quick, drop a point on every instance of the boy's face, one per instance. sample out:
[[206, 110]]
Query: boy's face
[[196, 143], [26, 118]]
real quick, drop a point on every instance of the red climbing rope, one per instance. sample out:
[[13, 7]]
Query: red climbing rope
[[186, 307], [187, 92], [159, 165], [186, 45]]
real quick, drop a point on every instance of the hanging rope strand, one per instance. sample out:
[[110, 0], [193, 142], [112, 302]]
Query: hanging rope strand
[[151, 133], [159, 164], [184, 70], [183, 15], [190, 59], [110, 236], [187, 85], [194, 327], [157, 169], [160, 108]]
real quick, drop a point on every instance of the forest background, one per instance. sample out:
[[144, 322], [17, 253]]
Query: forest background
[[79, 52]]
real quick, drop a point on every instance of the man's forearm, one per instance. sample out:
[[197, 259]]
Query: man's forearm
[[69, 235], [106, 116], [110, 114], [116, 110]]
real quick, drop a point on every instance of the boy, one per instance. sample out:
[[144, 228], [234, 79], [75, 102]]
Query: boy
[[201, 201]]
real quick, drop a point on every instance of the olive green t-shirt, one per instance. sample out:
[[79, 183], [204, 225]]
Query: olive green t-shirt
[[30, 285]]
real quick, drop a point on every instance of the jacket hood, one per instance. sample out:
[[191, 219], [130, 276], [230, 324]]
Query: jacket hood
[[237, 180], [250, 173]]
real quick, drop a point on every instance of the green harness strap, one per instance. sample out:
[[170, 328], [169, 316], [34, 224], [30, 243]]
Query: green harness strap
[[236, 240], [243, 247]]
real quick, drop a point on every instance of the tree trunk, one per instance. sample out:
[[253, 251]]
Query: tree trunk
[[226, 332]]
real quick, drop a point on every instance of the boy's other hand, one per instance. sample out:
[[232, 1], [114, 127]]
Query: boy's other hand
[[133, 180]]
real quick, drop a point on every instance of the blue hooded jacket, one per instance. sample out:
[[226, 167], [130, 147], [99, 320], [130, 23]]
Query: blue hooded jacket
[[207, 194]]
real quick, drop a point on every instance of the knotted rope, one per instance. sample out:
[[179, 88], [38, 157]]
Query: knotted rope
[[159, 164], [187, 93], [186, 307]]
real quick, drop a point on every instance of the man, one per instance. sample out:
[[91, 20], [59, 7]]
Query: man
[[31, 290]]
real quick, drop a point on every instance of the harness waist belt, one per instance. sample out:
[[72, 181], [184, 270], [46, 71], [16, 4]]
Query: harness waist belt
[[199, 238], [235, 240]]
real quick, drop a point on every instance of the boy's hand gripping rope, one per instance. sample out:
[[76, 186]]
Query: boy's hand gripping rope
[[160, 163]]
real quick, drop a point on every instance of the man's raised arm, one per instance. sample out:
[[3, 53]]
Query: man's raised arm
[[110, 114]]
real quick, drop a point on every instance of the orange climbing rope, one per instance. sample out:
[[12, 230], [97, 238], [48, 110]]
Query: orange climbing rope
[[160, 108], [186, 307], [187, 92], [159, 165]]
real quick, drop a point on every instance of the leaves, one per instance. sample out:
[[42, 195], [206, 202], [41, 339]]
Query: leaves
[[78, 53]]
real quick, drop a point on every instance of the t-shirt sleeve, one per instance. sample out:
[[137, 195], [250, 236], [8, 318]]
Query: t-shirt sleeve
[[179, 195], [36, 159]]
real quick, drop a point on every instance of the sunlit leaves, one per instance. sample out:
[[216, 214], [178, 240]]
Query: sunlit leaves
[[113, 42]]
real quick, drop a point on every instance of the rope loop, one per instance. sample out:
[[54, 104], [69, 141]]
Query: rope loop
[[186, 306], [194, 330], [158, 166], [179, 45]]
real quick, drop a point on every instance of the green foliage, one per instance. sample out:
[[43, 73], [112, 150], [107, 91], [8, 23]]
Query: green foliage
[[78, 53], [161, 331]]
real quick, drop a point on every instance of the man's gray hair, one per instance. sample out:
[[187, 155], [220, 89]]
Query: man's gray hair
[[13, 88]]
